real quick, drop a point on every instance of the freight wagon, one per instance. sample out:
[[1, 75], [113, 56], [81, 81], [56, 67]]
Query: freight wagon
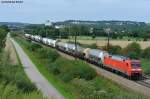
[[124, 65]]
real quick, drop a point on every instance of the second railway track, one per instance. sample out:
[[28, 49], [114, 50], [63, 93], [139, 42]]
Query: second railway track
[[145, 81]]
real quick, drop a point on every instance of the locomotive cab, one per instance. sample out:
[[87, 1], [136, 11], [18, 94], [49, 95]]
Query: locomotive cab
[[136, 70]]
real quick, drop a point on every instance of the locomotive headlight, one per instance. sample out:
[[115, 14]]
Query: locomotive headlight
[[137, 69], [133, 69]]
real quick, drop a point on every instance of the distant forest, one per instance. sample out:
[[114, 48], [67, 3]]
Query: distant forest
[[118, 29]]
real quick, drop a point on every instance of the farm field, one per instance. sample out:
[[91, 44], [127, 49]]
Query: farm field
[[143, 44], [78, 86], [124, 38]]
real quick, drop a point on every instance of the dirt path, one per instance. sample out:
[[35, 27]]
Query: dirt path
[[11, 51], [35, 76]]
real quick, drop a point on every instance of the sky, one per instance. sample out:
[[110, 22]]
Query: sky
[[38, 11]]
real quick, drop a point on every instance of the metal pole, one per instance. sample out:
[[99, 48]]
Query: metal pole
[[108, 32], [46, 31], [96, 41], [108, 41], [69, 35], [75, 45]]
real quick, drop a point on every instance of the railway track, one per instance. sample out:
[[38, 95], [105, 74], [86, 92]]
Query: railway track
[[142, 86], [145, 81]]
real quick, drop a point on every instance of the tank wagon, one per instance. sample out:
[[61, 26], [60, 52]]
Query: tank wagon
[[62, 46], [53, 43], [77, 51], [37, 38], [27, 35], [48, 42], [44, 41], [95, 56]]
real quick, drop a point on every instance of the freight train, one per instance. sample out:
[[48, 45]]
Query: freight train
[[124, 65]]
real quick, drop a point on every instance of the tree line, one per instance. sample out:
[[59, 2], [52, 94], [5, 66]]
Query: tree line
[[117, 32], [3, 32]]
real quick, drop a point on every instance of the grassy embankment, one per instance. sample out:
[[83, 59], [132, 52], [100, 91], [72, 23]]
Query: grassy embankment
[[75, 80], [14, 83]]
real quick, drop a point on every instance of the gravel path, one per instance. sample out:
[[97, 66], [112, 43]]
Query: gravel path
[[35, 76]]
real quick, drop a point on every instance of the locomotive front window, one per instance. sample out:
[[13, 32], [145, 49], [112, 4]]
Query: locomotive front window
[[136, 65]]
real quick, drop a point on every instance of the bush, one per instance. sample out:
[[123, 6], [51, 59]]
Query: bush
[[8, 72], [83, 87], [80, 70], [13, 34], [146, 53], [34, 47], [69, 70], [49, 54], [25, 86], [113, 49], [133, 50], [9, 90], [85, 72], [42, 52], [94, 46], [3, 33], [55, 69], [133, 55], [145, 39], [52, 55]]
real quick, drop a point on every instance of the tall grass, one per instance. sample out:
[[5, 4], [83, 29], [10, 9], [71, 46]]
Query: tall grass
[[14, 84]]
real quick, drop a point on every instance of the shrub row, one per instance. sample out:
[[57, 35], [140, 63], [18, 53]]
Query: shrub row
[[49, 54], [66, 69], [133, 51], [69, 69]]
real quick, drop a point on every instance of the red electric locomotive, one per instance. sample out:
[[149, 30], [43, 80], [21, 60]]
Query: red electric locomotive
[[127, 66]]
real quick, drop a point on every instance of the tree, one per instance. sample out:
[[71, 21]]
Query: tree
[[133, 50], [64, 32], [3, 32], [115, 49], [114, 35], [146, 53]]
